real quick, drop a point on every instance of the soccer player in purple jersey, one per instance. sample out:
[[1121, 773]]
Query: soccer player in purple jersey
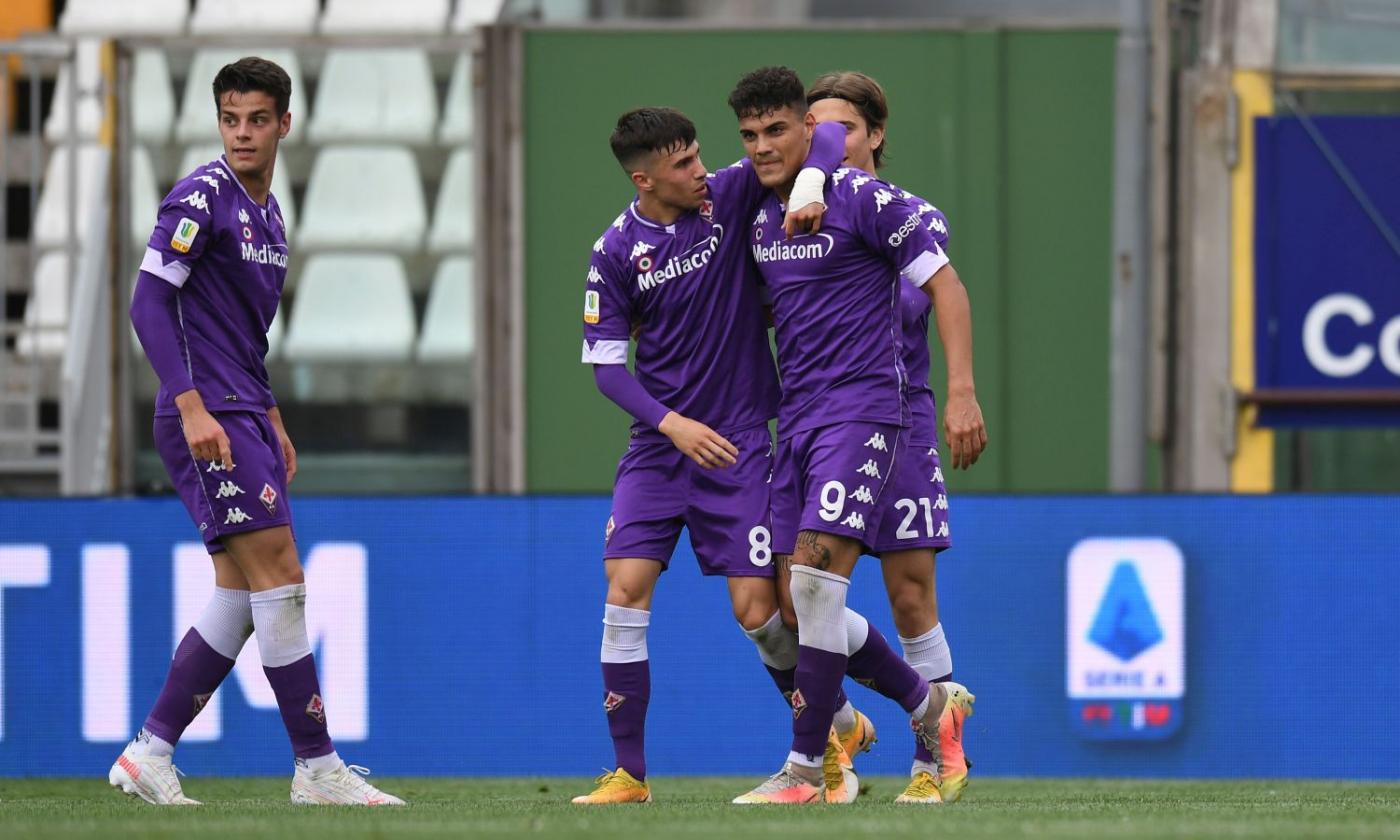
[[208, 288], [673, 271], [914, 522], [843, 413]]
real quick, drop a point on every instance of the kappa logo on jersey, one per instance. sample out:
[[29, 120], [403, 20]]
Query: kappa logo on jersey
[[227, 490], [941, 503], [196, 200], [315, 709], [910, 225], [210, 181], [185, 232], [799, 703], [761, 218], [942, 530], [858, 182], [862, 494], [936, 224], [236, 516], [707, 209], [882, 197], [218, 170], [243, 217], [590, 307], [871, 469], [877, 442], [619, 221], [839, 175], [937, 471], [598, 246], [268, 497], [595, 276], [216, 465], [640, 248], [816, 247], [855, 521], [612, 701], [682, 264]]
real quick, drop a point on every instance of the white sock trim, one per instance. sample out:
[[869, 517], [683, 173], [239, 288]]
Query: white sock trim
[[279, 619], [820, 601], [845, 718], [929, 654], [227, 621], [624, 634], [805, 760], [857, 631], [777, 645]]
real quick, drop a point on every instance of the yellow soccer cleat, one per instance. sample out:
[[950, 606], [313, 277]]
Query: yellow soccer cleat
[[860, 736], [615, 788], [944, 740], [785, 787], [922, 790], [842, 786]]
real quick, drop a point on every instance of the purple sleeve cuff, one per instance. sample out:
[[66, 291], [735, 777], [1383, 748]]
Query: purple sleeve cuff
[[155, 316], [828, 147], [617, 384]]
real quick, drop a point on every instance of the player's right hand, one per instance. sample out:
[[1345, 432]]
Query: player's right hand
[[699, 442], [206, 438]]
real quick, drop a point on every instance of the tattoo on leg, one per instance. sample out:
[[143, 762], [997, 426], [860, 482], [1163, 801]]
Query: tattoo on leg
[[818, 555], [782, 564]]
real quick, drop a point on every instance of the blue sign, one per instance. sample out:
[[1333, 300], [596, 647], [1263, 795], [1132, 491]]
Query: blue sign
[[1327, 264], [460, 636]]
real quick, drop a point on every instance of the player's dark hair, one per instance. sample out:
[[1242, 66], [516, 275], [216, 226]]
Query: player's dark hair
[[863, 92], [646, 130], [766, 90], [254, 74]]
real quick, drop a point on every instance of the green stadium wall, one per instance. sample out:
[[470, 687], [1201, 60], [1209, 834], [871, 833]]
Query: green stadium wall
[[1009, 132]]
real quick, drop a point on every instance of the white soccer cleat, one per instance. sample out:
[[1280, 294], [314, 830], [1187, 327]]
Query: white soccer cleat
[[150, 777], [344, 785]]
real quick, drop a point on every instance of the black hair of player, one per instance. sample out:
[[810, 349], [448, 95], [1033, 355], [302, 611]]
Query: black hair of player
[[644, 131], [768, 89], [254, 74]]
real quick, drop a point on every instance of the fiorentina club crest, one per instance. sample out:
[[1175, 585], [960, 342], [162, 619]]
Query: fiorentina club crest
[[612, 701], [268, 497], [707, 209], [799, 703], [607, 532], [316, 710]]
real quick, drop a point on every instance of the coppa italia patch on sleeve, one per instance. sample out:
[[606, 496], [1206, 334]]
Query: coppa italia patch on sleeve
[[590, 307], [185, 232]]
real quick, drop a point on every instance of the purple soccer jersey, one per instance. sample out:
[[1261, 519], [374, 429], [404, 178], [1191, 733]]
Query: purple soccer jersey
[[702, 349], [228, 257], [835, 301], [914, 309]]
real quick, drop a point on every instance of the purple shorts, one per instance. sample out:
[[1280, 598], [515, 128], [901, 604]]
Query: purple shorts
[[659, 490], [250, 497], [832, 479], [914, 509]]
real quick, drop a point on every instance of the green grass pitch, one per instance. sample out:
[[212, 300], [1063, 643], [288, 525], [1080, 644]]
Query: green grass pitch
[[698, 808]]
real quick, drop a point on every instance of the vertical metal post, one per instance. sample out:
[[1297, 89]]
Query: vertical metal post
[[1128, 371]]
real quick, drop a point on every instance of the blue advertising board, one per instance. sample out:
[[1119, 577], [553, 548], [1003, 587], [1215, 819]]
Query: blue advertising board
[[1327, 265], [1220, 636]]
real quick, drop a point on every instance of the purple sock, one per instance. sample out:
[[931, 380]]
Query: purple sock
[[303, 713], [627, 690], [195, 671], [878, 666], [786, 681], [819, 675]]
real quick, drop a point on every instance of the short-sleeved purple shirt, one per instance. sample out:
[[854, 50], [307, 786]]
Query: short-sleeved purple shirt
[[915, 308]]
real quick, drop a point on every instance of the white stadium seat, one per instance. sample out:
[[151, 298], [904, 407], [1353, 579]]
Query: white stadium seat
[[46, 313], [144, 195], [449, 322], [452, 218], [375, 95], [197, 156], [240, 17], [363, 198], [472, 13], [362, 17], [113, 18], [456, 127], [152, 98], [86, 62], [51, 218], [198, 115], [351, 308]]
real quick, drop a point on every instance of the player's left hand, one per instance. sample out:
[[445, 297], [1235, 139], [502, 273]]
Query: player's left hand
[[803, 220], [966, 432]]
